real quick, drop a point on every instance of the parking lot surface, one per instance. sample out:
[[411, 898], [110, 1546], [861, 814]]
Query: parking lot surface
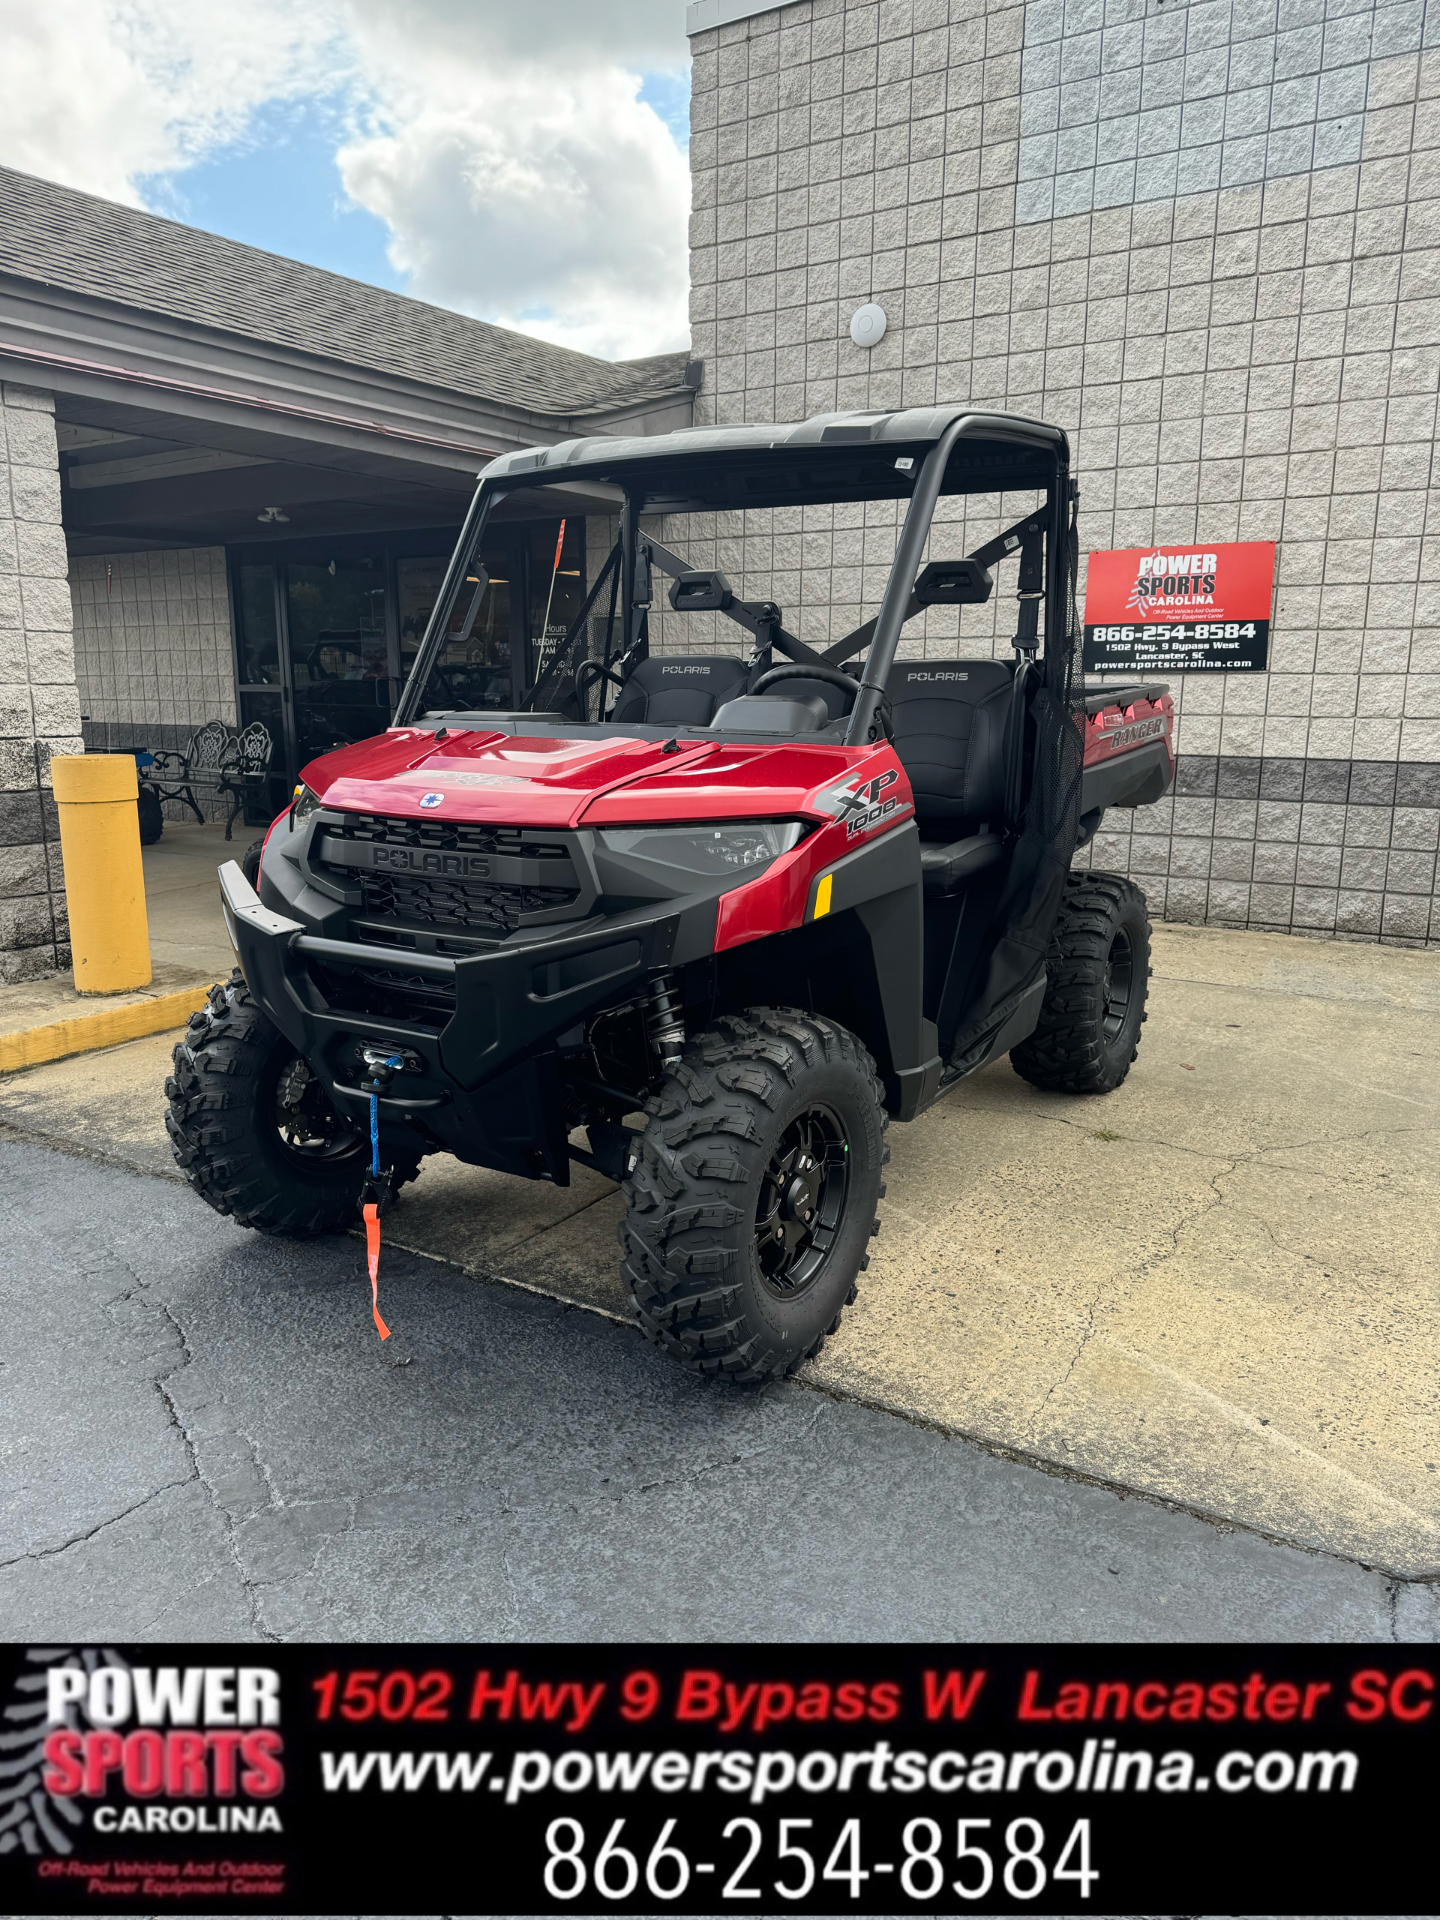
[[202, 1438], [1217, 1286]]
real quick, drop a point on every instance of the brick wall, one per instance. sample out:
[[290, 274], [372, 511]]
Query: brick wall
[[39, 708], [1204, 240]]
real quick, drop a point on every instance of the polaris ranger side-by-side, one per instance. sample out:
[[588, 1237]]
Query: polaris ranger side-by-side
[[769, 900]]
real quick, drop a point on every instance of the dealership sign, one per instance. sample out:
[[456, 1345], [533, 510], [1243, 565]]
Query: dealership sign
[[1181, 609]]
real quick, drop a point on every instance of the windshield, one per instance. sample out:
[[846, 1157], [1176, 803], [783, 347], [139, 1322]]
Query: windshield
[[820, 570]]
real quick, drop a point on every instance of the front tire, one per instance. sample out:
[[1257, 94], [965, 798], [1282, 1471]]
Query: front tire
[[752, 1202], [1098, 978], [251, 1128]]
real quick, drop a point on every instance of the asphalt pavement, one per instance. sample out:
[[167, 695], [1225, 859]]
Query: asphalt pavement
[[201, 1437]]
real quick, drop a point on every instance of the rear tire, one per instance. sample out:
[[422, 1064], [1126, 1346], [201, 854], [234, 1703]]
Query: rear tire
[[1098, 969], [752, 1202], [233, 1073]]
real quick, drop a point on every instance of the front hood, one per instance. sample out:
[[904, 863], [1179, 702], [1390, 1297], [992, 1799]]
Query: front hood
[[556, 782]]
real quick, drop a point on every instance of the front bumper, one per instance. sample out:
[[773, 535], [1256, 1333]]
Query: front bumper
[[486, 1086]]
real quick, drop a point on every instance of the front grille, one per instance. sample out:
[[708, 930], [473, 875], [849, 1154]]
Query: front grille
[[475, 905], [448, 836], [486, 907]]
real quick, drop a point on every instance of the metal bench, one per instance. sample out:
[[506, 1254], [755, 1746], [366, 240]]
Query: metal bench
[[215, 761]]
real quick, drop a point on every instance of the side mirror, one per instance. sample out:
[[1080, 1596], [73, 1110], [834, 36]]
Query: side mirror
[[953, 583], [700, 593]]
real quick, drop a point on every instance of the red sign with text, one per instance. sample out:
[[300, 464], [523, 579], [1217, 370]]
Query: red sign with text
[[1199, 609]]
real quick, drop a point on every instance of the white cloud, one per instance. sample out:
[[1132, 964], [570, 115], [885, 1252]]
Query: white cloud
[[96, 94], [537, 191], [503, 143]]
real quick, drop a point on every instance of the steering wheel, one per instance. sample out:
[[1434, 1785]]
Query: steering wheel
[[832, 677]]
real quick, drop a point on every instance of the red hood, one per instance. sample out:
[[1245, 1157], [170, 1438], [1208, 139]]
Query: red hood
[[546, 782]]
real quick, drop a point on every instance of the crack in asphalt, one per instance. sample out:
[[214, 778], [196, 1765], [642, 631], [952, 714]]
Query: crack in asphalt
[[247, 1585], [79, 1539]]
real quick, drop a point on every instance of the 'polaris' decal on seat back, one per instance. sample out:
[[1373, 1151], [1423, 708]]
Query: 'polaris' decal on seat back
[[704, 670], [911, 678]]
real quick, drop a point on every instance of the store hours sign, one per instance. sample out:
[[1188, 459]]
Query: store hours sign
[[1180, 609]]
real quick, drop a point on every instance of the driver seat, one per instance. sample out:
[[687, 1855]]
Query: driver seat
[[679, 690], [957, 728]]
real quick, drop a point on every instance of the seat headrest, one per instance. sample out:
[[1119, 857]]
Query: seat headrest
[[967, 680], [689, 670], [680, 689]]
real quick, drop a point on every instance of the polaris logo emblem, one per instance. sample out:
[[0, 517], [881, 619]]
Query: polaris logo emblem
[[938, 676], [431, 799], [687, 670], [466, 866]]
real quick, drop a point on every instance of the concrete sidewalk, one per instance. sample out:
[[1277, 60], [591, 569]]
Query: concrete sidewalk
[[43, 1020], [182, 895], [1217, 1286]]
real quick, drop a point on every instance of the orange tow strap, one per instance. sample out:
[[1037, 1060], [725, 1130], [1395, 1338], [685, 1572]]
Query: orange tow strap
[[372, 1248]]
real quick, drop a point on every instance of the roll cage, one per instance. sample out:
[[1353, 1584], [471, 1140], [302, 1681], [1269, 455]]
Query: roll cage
[[918, 455]]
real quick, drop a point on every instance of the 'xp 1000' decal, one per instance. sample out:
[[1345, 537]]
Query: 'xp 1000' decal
[[868, 804]]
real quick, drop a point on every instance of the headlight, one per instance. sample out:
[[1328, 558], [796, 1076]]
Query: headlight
[[726, 849], [304, 804]]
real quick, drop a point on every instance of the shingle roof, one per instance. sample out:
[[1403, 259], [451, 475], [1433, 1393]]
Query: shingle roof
[[87, 245]]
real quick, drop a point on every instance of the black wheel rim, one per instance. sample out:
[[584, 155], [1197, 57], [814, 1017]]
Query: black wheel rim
[[308, 1126], [1119, 985], [802, 1202]]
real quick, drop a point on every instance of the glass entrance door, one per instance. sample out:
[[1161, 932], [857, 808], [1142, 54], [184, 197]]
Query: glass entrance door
[[325, 636], [341, 671]]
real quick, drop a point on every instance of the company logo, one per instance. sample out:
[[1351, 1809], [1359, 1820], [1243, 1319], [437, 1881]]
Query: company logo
[[686, 670], [91, 1728], [431, 799], [1174, 580], [937, 676], [417, 860]]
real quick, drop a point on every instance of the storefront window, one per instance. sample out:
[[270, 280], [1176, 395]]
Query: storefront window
[[259, 640], [557, 580]]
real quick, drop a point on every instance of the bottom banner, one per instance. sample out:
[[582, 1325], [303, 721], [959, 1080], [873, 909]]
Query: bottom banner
[[530, 1779]]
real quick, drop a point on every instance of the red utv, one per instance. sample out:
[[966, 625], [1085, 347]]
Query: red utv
[[765, 900]]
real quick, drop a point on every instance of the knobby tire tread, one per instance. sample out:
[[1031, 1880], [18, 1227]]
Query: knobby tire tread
[[683, 1234], [211, 1121], [1067, 1051]]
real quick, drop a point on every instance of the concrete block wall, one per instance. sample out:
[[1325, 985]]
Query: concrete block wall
[[39, 704], [1206, 241], [154, 658]]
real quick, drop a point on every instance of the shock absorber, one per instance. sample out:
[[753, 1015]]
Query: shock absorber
[[665, 1019]]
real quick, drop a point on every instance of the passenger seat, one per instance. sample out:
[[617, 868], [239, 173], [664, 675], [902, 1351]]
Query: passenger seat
[[956, 733], [680, 690]]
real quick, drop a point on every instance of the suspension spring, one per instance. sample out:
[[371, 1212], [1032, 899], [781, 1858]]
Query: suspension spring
[[665, 1019]]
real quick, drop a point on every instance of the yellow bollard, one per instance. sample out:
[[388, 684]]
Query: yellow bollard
[[104, 879]]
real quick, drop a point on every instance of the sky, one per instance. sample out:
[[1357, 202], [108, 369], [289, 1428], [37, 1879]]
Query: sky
[[523, 161]]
